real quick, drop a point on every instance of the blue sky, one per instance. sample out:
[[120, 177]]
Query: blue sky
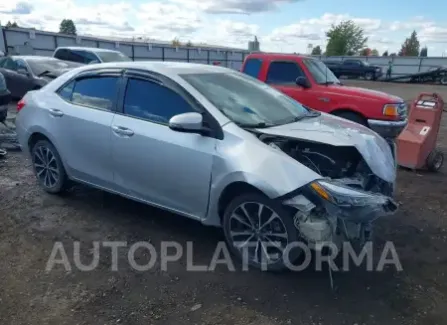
[[280, 25]]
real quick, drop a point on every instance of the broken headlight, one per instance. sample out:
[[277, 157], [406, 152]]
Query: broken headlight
[[342, 195]]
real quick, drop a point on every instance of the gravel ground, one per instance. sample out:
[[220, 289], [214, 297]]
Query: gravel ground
[[32, 221]]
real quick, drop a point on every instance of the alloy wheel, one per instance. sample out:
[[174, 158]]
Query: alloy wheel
[[258, 233], [45, 164]]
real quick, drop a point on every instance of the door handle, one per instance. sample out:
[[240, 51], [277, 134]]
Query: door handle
[[56, 112], [121, 130]]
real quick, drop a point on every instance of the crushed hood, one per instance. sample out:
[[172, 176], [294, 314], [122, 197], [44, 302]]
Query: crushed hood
[[340, 132]]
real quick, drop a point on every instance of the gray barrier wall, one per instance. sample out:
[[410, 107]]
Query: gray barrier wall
[[26, 41], [402, 65]]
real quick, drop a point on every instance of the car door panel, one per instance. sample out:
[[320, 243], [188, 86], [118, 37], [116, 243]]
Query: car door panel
[[84, 125], [154, 163], [162, 166], [25, 82], [282, 76]]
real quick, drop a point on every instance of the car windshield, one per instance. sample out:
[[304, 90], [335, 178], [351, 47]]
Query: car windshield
[[112, 56], [43, 65], [320, 72], [246, 100]]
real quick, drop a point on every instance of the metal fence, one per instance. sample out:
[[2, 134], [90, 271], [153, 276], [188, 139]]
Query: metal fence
[[26, 42], [401, 65]]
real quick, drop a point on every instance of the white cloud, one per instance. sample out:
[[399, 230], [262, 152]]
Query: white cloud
[[234, 6], [200, 21]]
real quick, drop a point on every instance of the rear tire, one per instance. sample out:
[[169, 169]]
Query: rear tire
[[48, 167], [252, 223], [351, 116]]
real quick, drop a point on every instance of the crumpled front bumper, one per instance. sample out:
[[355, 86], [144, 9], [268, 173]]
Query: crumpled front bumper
[[387, 129]]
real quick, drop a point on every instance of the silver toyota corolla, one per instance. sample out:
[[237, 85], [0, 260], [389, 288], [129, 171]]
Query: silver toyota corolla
[[215, 145]]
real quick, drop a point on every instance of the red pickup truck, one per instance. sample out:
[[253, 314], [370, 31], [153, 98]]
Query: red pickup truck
[[310, 82]]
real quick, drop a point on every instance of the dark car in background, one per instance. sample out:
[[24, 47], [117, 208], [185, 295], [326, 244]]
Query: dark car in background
[[89, 55], [5, 98], [354, 68], [25, 73]]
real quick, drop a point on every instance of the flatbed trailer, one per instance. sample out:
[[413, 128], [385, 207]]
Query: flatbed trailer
[[435, 76]]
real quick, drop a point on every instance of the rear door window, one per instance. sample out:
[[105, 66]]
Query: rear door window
[[252, 67], [284, 72], [95, 92]]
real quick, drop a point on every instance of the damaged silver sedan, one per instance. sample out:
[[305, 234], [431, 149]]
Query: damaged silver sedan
[[214, 145]]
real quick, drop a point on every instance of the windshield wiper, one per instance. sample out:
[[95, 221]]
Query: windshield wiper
[[44, 73], [255, 126]]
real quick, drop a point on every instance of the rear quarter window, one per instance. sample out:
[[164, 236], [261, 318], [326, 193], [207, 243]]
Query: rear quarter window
[[252, 67]]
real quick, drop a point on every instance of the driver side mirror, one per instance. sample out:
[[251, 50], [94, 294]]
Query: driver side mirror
[[22, 71], [303, 82], [188, 122]]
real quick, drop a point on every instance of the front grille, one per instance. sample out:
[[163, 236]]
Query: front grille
[[402, 110]]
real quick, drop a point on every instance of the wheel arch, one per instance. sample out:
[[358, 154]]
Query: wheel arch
[[221, 194], [38, 135], [233, 190], [348, 110]]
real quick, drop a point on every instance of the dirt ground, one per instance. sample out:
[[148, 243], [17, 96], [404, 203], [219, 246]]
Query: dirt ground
[[31, 222]]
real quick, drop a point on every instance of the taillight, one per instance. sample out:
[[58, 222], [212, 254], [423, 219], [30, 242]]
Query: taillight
[[20, 105]]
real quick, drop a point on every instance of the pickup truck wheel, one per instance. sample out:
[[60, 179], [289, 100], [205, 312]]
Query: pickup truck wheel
[[354, 117], [369, 76]]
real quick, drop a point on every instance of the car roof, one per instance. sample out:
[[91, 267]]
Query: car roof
[[89, 49], [163, 67], [278, 56], [33, 57]]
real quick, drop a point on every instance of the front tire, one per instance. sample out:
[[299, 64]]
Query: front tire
[[258, 231], [369, 76], [48, 167], [351, 116]]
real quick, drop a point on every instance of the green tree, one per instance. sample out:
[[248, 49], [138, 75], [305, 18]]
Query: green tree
[[189, 44], [385, 53], [316, 50], [374, 52], [424, 51], [176, 42], [346, 38], [13, 24], [411, 46], [67, 26]]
